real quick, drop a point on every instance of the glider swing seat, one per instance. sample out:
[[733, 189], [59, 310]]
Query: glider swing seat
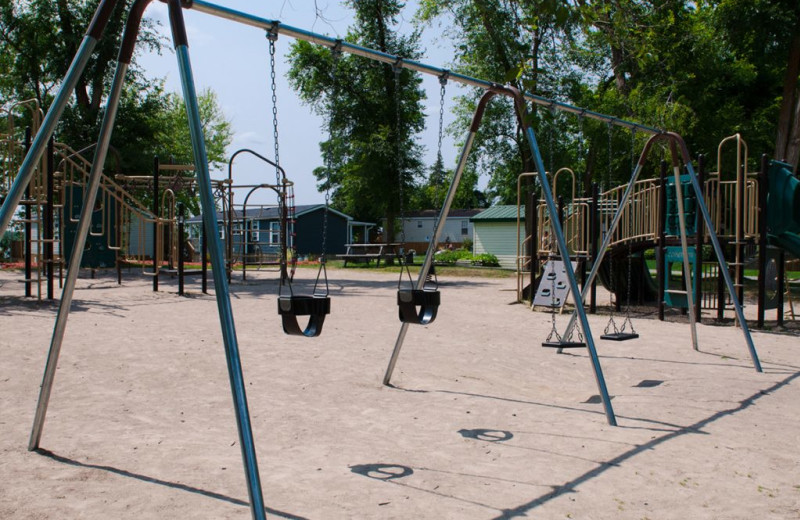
[[317, 305]]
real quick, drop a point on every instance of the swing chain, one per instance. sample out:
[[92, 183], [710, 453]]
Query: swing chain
[[397, 68], [442, 88], [580, 153], [272, 36], [628, 321]]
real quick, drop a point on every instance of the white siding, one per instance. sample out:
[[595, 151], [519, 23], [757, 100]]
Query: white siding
[[452, 229], [497, 238]]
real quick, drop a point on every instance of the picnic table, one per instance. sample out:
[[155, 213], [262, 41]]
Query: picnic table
[[368, 252]]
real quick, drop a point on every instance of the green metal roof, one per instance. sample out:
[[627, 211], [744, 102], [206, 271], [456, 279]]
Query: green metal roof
[[507, 213]]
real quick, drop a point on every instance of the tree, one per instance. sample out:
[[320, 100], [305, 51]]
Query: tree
[[39, 38], [372, 115], [512, 41]]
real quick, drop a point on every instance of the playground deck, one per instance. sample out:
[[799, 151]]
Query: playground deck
[[483, 423]]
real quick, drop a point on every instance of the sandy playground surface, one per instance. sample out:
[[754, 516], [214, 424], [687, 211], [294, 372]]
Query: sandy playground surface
[[483, 422]]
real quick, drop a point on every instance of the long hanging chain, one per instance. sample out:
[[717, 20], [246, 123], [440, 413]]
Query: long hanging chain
[[323, 269], [398, 147], [283, 218], [627, 322], [580, 155], [577, 326], [611, 326], [439, 161]]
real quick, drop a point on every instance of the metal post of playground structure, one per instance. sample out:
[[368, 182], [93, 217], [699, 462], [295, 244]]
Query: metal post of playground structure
[[661, 251], [230, 341], [156, 221], [181, 220], [594, 225], [28, 227], [48, 220], [698, 245], [762, 239]]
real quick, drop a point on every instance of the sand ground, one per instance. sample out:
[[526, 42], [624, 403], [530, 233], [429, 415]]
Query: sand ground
[[483, 423]]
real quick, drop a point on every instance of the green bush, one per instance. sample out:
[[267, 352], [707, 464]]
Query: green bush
[[467, 244], [486, 260], [449, 257]]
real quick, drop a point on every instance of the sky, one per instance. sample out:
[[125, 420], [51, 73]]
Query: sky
[[233, 60]]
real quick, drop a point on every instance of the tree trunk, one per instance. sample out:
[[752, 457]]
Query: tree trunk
[[787, 142]]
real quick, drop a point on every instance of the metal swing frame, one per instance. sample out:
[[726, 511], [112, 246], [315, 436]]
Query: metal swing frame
[[83, 54], [678, 153]]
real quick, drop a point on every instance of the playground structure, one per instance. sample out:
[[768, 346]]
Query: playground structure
[[649, 222], [679, 155], [124, 231]]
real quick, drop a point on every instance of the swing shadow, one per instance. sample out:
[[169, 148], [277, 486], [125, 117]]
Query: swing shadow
[[500, 436], [662, 424], [569, 487], [152, 480]]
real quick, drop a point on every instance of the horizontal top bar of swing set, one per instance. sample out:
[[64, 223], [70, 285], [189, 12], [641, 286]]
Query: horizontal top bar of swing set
[[319, 39]]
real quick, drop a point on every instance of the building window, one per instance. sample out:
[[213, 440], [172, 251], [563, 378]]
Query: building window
[[419, 224], [465, 227], [275, 232]]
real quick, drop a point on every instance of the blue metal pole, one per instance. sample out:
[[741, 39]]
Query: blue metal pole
[[218, 263], [358, 50], [562, 247], [723, 265]]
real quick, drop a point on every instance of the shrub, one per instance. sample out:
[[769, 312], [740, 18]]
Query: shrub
[[486, 260], [467, 244], [450, 257]]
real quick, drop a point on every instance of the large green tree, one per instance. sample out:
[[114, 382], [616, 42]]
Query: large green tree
[[38, 40], [703, 69], [505, 41], [373, 115]]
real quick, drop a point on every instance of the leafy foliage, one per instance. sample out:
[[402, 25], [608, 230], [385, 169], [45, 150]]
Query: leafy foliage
[[373, 160]]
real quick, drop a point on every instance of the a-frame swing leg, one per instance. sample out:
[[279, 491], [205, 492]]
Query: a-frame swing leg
[[723, 265], [89, 198], [437, 232], [223, 298], [217, 262], [521, 110], [519, 103], [687, 270], [679, 151]]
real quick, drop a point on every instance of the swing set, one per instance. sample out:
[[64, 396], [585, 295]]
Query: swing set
[[423, 298]]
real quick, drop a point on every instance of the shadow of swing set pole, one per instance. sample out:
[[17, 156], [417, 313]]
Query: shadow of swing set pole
[[180, 40]]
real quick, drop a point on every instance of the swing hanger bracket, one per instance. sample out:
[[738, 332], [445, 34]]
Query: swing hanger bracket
[[443, 77], [336, 49], [272, 32], [397, 66]]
